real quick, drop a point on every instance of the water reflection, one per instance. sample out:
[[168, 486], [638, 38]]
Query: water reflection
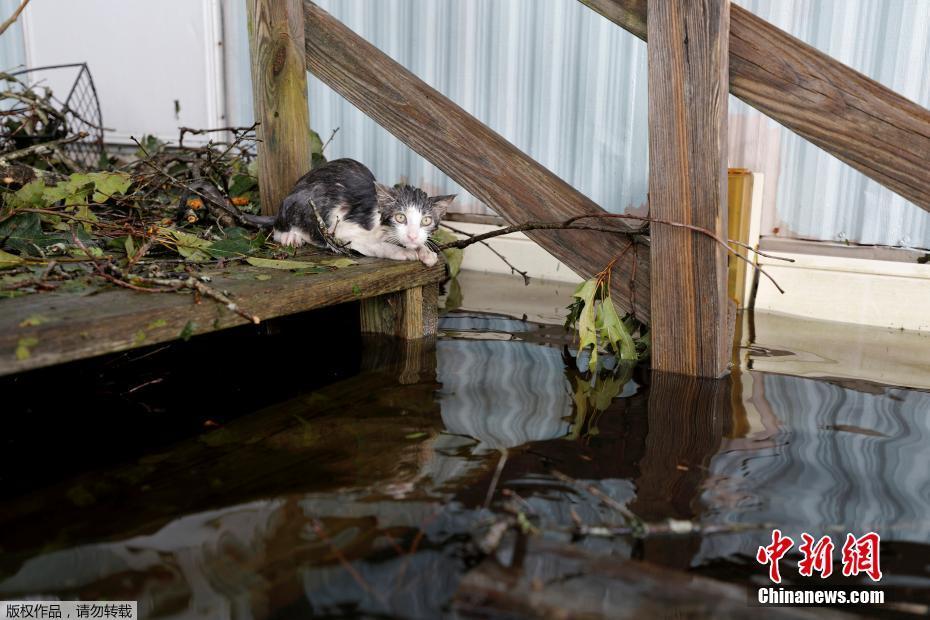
[[365, 496]]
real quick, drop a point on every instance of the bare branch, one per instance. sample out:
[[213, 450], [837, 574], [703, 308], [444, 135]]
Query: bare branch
[[14, 16]]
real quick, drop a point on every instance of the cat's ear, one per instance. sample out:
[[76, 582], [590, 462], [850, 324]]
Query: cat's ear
[[441, 203], [385, 194]]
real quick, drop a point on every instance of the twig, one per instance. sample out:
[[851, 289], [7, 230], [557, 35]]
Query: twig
[[571, 224], [234, 213], [182, 131], [331, 136], [496, 478], [42, 149], [9, 22], [697, 229], [318, 528], [513, 269], [115, 275], [635, 523], [533, 225]]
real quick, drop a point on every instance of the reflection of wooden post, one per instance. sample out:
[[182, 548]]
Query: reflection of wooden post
[[279, 92], [688, 418], [407, 314], [688, 79]]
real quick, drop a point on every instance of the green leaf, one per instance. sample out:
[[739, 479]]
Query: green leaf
[[453, 256], [109, 184], [587, 322], [241, 183], [189, 246], [338, 263], [91, 252], [616, 332], [271, 263], [24, 347], [31, 195], [416, 435], [33, 320], [84, 213], [8, 261], [23, 233], [188, 331], [262, 277], [139, 337], [157, 323], [130, 246]]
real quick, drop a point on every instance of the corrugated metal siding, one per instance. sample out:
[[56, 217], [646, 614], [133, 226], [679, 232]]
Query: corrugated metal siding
[[556, 79]]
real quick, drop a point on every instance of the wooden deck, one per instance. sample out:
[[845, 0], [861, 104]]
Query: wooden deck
[[398, 297]]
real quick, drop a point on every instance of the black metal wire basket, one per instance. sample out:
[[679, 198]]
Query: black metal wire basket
[[79, 113]]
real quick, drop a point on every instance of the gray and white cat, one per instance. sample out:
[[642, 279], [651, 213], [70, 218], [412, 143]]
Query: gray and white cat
[[370, 218]]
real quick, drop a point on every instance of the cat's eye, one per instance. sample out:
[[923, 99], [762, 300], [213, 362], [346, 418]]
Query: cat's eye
[[426, 221], [400, 218]]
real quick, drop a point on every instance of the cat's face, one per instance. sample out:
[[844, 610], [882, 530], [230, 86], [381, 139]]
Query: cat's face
[[409, 215]]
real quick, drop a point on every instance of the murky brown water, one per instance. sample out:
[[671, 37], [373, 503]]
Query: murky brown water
[[294, 473]]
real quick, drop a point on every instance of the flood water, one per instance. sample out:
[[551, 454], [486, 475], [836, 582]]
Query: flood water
[[299, 470]]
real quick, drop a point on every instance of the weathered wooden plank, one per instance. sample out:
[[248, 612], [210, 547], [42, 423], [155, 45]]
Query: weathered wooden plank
[[76, 326], [688, 184], [408, 314], [483, 162], [279, 93], [870, 127]]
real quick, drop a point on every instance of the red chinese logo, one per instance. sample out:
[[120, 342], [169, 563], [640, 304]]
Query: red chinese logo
[[773, 553], [817, 557], [859, 555]]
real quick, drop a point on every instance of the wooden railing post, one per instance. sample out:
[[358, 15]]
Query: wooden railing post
[[279, 91], [688, 79]]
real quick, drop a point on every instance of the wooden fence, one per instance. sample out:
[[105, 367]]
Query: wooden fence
[[699, 49]]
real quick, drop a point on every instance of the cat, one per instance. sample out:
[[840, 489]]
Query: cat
[[363, 215]]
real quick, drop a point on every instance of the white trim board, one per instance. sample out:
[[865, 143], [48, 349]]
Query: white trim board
[[848, 290]]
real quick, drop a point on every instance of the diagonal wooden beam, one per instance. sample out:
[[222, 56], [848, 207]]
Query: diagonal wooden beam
[[870, 127], [480, 160]]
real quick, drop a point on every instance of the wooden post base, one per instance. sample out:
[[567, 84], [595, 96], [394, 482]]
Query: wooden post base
[[409, 314]]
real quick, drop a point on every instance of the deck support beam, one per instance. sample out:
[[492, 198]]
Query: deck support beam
[[688, 77], [279, 93], [407, 314]]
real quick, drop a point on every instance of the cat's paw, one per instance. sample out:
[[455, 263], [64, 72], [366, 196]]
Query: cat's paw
[[403, 254], [290, 238], [427, 256]]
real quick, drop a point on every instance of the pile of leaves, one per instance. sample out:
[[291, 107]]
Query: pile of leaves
[[167, 212], [148, 220]]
